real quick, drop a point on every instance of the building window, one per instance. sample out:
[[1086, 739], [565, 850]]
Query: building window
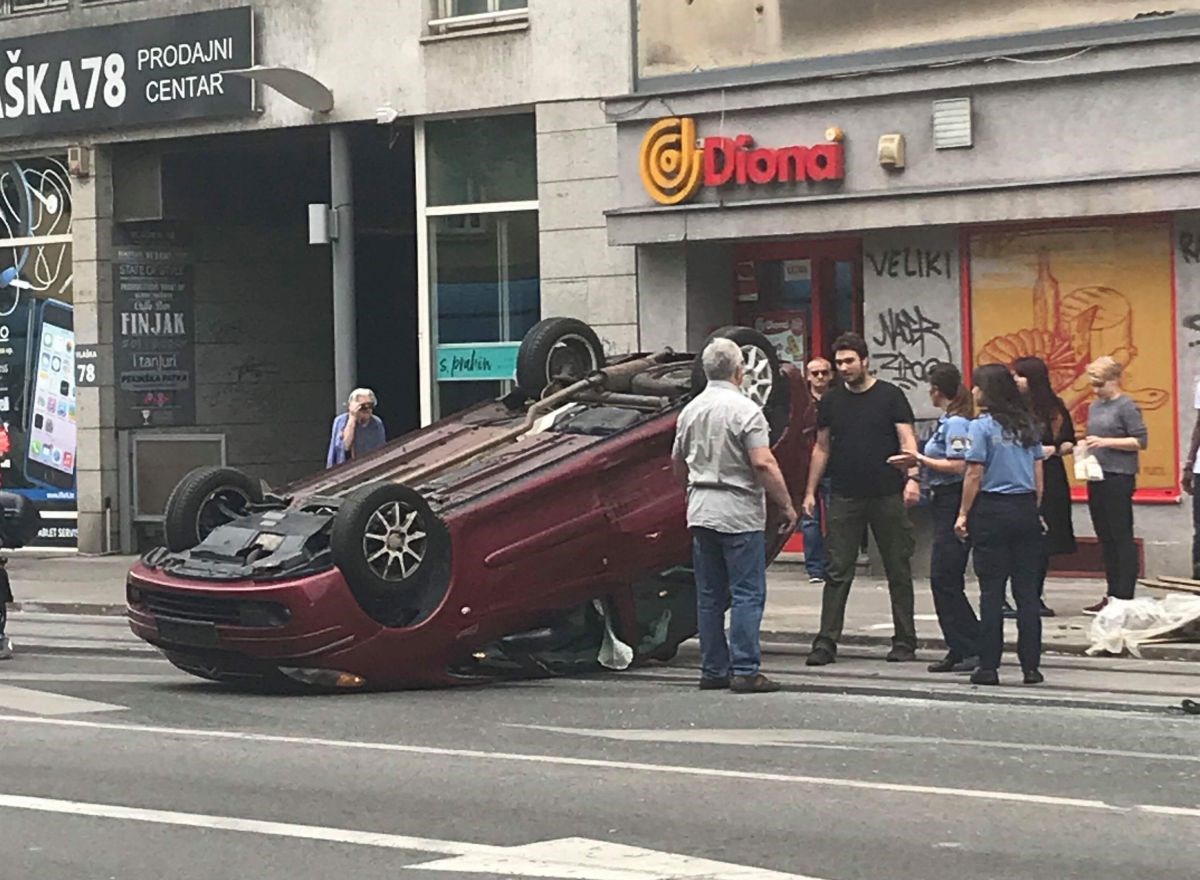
[[11, 7], [482, 279], [453, 15]]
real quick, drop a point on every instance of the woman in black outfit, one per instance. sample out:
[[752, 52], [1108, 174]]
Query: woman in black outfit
[[1058, 439]]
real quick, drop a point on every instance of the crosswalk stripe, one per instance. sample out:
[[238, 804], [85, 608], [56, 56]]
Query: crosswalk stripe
[[46, 703]]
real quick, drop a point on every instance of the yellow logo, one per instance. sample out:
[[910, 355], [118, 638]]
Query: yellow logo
[[669, 162]]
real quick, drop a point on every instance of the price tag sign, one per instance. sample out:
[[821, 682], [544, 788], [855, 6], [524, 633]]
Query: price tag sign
[[87, 366]]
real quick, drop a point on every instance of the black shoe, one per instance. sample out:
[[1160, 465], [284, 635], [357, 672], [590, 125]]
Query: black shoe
[[950, 663], [714, 684], [1010, 613], [1044, 609], [901, 654], [820, 657], [985, 676], [753, 684], [1032, 676]]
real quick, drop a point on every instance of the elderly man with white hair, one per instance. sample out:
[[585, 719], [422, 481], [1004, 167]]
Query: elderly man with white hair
[[722, 454], [356, 431]]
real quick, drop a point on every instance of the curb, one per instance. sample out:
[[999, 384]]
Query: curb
[[1076, 649], [35, 649]]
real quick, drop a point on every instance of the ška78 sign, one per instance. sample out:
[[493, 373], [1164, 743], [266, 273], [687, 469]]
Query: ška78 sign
[[119, 76]]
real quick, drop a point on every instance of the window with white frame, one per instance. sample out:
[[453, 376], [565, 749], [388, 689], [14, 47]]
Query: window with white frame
[[11, 7], [452, 15], [480, 235]]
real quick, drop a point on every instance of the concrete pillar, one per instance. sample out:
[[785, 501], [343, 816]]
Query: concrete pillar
[[662, 297], [345, 327], [98, 469]]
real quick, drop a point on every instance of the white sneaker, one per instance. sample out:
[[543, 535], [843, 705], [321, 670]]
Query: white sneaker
[[5, 648]]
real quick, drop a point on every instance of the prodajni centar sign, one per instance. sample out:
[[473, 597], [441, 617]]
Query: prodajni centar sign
[[137, 73]]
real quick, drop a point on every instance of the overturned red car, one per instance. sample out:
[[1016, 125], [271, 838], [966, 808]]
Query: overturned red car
[[541, 533]]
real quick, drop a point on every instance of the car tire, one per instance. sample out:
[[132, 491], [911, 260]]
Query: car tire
[[555, 353], [206, 498], [392, 549], [770, 387], [664, 380]]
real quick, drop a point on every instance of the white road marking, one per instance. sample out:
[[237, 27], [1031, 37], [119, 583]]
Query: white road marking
[[573, 858], [577, 858], [592, 763], [93, 677], [45, 703], [836, 740], [1169, 811]]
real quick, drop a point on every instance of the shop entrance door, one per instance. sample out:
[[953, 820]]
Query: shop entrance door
[[801, 294]]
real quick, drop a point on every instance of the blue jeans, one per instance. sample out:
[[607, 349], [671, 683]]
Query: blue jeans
[[731, 572], [814, 540]]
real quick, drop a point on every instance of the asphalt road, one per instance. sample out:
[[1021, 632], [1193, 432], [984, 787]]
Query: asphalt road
[[117, 766]]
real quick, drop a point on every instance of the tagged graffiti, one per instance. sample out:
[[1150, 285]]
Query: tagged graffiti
[[909, 343], [911, 263]]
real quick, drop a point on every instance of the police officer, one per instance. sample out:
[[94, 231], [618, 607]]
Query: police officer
[[944, 464], [999, 511]]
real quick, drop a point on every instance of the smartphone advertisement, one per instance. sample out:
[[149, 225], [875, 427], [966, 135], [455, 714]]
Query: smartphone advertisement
[[38, 400]]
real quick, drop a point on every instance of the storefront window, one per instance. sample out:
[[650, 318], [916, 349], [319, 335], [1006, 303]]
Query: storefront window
[[474, 161], [38, 393], [1072, 294], [483, 281], [484, 271]]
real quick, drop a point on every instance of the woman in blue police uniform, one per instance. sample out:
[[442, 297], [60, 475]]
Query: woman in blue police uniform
[[944, 464], [1002, 491]]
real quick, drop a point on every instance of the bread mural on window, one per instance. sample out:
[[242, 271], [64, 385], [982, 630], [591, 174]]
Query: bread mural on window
[[1070, 295]]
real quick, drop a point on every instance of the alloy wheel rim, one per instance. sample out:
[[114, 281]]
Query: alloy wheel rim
[[759, 378], [395, 541]]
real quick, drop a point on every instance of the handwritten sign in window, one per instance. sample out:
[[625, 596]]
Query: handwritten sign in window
[[476, 361]]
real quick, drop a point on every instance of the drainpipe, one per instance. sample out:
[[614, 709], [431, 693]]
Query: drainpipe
[[345, 330]]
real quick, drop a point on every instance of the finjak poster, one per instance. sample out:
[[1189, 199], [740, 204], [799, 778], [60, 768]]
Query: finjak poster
[[38, 416], [154, 344]]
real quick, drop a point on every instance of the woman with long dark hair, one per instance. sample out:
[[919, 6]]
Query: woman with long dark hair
[[1002, 491], [1058, 440]]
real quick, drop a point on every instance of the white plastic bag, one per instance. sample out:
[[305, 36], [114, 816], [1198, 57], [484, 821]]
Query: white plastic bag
[[614, 653], [1126, 624], [1087, 467]]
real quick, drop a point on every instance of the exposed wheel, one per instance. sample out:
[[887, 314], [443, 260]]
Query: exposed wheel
[[205, 499], [764, 382], [557, 351], [664, 380], [392, 549]]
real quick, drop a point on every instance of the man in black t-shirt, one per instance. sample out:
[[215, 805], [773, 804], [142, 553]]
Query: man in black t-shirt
[[861, 424]]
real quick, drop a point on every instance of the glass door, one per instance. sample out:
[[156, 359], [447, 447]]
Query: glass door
[[801, 294]]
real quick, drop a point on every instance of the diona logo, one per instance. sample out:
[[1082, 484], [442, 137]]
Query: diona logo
[[673, 166], [670, 163]]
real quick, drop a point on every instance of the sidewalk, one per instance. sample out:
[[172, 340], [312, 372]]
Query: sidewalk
[[70, 584]]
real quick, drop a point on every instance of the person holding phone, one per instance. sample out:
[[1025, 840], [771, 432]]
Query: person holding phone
[[944, 464], [1001, 495], [356, 431]]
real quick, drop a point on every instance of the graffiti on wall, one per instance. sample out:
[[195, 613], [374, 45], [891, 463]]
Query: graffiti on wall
[[906, 344], [1070, 296]]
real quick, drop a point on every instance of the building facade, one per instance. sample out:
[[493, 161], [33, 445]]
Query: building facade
[[219, 217], [961, 181]]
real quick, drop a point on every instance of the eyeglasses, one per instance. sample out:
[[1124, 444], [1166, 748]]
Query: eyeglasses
[[818, 372], [1099, 383]]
